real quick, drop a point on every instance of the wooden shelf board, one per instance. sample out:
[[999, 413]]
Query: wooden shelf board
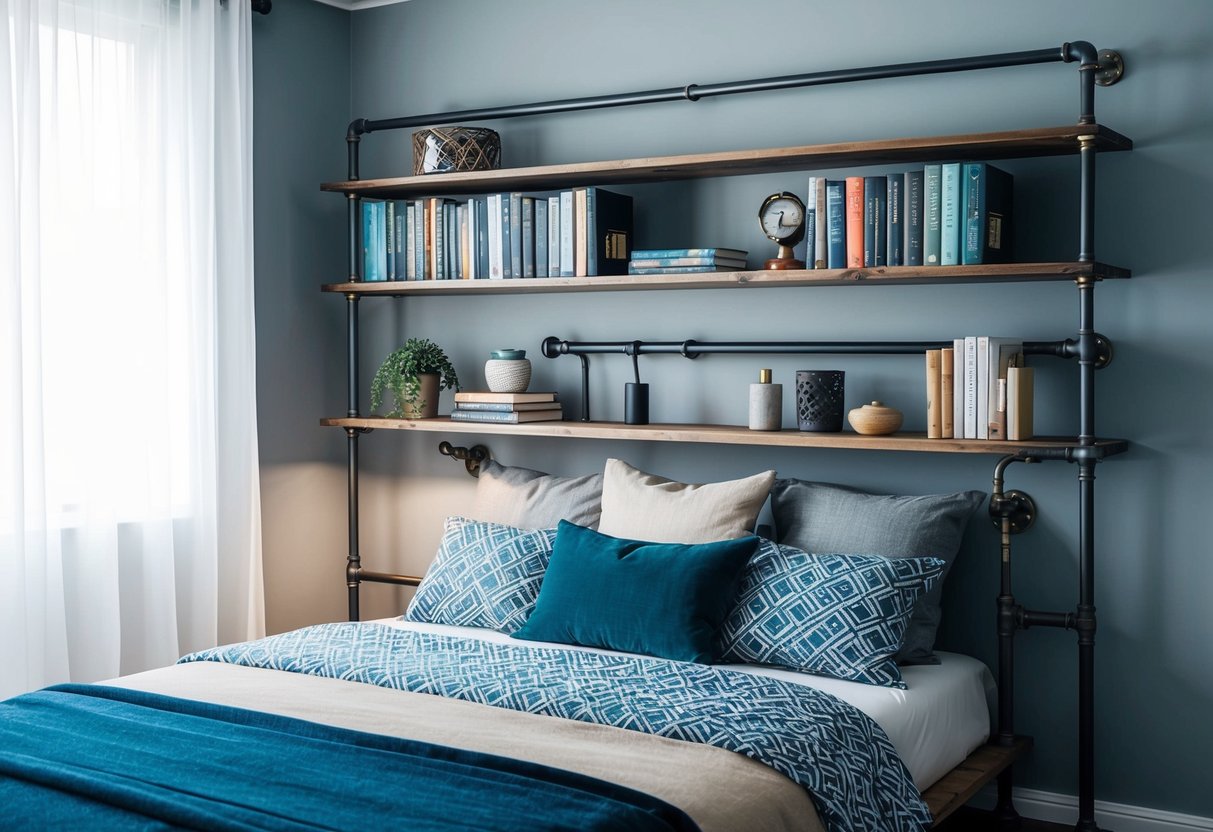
[[885, 275], [960, 784], [1011, 144], [718, 435]]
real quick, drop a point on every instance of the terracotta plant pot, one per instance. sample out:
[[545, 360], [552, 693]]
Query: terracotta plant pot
[[426, 406]]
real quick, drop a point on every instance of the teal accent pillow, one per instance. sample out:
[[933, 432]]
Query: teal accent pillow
[[659, 599]]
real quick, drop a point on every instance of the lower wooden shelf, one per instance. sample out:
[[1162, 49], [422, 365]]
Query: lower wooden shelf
[[720, 435], [960, 784]]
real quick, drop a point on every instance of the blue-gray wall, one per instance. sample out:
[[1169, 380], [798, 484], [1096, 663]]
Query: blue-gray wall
[[1155, 680]]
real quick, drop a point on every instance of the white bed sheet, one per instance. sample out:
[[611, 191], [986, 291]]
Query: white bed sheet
[[937, 721]]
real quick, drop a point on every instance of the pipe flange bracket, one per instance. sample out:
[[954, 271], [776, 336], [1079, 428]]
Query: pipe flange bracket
[[1017, 507], [1111, 68], [471, 457], [1103, 351]]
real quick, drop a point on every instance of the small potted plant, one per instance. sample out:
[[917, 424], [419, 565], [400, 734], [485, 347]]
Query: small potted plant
[[414, 373]]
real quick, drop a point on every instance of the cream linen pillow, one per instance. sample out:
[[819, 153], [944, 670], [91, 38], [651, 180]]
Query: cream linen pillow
[[641, 506]]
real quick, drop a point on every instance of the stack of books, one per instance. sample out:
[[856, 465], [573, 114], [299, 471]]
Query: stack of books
[[505, 408], [948, 214], [682, 260], [578, 232], [979, 389]]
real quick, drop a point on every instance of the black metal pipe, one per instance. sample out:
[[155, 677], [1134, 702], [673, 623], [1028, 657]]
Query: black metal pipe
[[388, 578], [694, 92], [585, 387], [354, 560], [1085, 624], [1036, 618], [553, 347], [1007, 626], [1088, 62]]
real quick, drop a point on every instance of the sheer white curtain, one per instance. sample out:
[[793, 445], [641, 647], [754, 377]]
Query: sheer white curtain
[[130, 528]]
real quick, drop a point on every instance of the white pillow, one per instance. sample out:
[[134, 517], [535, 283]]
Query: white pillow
[[641, 506]]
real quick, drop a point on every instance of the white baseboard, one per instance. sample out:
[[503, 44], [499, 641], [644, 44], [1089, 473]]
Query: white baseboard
[[1118, 817]]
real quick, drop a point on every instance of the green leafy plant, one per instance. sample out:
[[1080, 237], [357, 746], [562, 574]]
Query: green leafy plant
[[399, 373]]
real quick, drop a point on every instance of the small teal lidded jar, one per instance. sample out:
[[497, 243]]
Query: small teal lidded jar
[[507, 371]]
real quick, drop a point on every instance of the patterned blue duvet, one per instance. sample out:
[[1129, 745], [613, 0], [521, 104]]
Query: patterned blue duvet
[[835, 751]]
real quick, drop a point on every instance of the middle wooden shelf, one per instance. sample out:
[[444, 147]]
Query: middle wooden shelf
[[722, 435]]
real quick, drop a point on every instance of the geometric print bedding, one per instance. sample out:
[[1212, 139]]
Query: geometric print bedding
[[836, 615], [837, 753], [484, 575]]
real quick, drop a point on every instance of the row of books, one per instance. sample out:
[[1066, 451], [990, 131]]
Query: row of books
[[573, 233], [956, 213], [682, 260], [505, 408], [979, 389]]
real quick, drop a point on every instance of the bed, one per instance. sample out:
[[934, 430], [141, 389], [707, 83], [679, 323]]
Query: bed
[[454, 726]]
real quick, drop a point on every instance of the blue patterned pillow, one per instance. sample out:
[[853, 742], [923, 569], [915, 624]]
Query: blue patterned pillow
[[484, 575], [835, 615]]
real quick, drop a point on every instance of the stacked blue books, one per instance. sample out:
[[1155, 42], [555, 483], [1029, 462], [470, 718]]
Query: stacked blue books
[[683, 260]]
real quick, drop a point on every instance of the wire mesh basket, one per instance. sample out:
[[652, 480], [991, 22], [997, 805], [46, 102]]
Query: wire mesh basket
[[448, 149]]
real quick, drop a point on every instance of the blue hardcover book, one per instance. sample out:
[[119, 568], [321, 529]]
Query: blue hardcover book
[[875, 218], [674, 262], [931, 238], [439, 240], [896, 204], [516, 234], [986, 208], [389, 226], [682, 269], [482, 238], [836, 224], [541, 237], [949, 214], [374, 244], [528, 236], [912, 218]]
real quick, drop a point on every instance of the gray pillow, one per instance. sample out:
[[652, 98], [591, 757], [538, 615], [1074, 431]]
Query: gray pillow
[[833, 519], [529, 499]]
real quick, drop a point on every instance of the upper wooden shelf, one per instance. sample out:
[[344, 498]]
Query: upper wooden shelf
[[886, 275], [721, 435], [1011, 144]]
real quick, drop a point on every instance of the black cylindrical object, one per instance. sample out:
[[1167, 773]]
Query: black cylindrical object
[[635, 403], [819, 400]]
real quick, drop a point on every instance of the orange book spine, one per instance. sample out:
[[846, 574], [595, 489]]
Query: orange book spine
[[854, 219]]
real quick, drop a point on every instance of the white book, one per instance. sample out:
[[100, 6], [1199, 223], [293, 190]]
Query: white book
[[473, 234], [983, 386], [566, 234], [958, 388], [970, 390], [553, 236], [811, 256], [494, 230]]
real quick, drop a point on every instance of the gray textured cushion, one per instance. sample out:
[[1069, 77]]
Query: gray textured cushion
[[529, 499], [640, 506], [834, 519]]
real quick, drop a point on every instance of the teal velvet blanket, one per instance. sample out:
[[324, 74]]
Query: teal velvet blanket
[[101, 758]]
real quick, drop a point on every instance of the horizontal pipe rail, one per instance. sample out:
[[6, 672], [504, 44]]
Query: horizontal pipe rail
[[388, 578], [554, 347], [1080, 51]]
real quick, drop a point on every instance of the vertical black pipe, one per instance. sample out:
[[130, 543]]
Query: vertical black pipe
[[1007, 627], [354, 208], [1085, 623], [585, 387], [354, 562]]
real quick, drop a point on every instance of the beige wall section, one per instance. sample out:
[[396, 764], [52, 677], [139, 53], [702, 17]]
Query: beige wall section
[[305, 544]]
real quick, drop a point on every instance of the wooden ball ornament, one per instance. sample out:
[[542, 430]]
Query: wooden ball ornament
[[875, 419]]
